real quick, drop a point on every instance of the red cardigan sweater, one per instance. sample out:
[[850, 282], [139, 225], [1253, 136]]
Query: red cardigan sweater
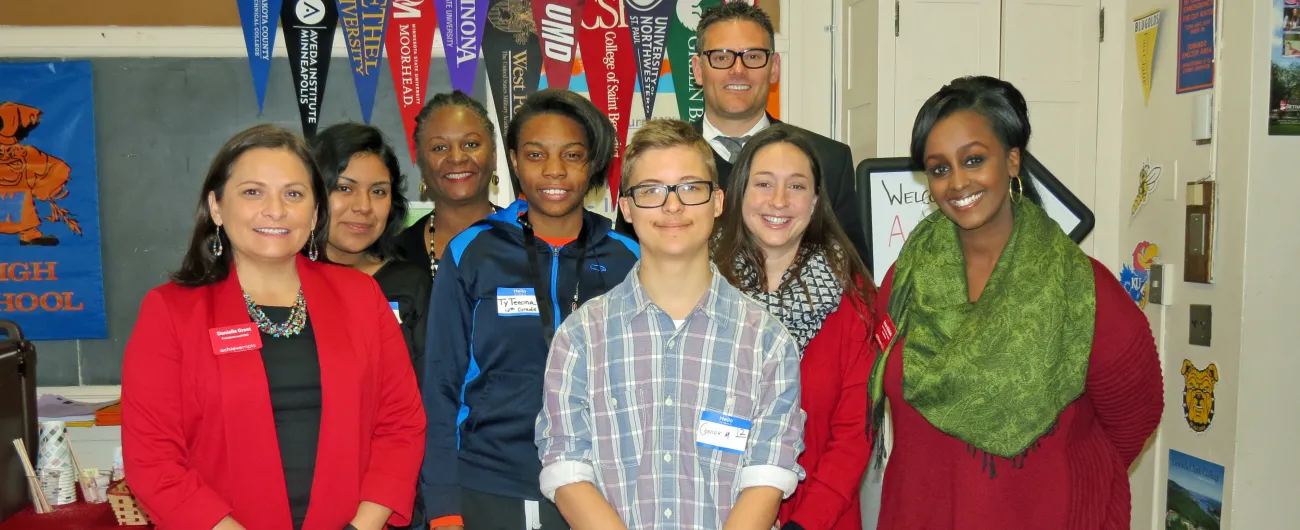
[[833, 374], [1074, 477], [198, 435]]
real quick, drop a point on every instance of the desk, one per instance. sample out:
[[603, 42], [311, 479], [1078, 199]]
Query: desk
[[79, 516]]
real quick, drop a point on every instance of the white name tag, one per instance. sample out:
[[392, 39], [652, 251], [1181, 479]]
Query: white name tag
[[516, 302], [396, 312], [722, 432]]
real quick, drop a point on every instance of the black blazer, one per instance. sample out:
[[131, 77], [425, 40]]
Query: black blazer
[[837, 167]]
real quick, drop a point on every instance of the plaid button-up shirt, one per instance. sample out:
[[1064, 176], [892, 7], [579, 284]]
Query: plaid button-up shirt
[[625, 390]]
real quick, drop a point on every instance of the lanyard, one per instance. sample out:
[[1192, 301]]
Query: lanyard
[[543, 294]]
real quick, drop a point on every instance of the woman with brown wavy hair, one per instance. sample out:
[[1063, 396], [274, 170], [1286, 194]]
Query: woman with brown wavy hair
[[264, 388], [784, 247]]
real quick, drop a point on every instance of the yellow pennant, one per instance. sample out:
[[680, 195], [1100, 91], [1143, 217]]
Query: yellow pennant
[[1145, 28]]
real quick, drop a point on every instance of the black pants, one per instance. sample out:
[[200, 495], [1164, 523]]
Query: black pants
[[485, 511]]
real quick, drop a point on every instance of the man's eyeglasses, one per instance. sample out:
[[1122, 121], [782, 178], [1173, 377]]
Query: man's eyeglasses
[[656, 195], [723, 59]]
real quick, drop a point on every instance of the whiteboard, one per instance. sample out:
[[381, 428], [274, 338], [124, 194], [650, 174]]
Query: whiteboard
[[897, 198]]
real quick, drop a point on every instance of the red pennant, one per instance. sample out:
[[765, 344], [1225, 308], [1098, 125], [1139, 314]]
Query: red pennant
[[409, 42], [610, 65], [557, 23]]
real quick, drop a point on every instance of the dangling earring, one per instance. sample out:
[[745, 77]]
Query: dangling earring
[[312, 253], [215, 246], [1017, 188]]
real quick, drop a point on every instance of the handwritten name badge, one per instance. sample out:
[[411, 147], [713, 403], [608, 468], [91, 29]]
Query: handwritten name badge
[[723, 432], [233, 339], [396, 311], [516, 302]]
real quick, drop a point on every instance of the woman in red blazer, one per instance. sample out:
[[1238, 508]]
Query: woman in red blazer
[[784, 248], [261, 389]]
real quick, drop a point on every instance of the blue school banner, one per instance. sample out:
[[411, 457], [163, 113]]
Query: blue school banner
[[259, 17], [51, 277]]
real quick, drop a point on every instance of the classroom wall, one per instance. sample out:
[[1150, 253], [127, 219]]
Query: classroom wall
[[1251, 291], [1265, 459]]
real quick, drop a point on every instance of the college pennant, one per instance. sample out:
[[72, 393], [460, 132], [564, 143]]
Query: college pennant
[[649, 21], [309, 40], [512, 55], [462, 35], [683, 44], [610, 65], [409, 41], [258, 19], [557, 22], [363, 24]]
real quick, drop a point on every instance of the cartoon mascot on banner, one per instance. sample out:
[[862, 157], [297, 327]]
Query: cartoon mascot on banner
[[27, 175]]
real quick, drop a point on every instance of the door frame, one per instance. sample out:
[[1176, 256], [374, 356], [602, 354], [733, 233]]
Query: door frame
[[1104, 241]]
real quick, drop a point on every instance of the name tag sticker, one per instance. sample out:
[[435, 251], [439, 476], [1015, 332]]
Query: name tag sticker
[[885, 332], [233, 339], [723, 432], [396, 311], [516, 302]]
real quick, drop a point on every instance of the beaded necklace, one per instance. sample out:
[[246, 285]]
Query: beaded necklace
[[297, 318], [433, 261]]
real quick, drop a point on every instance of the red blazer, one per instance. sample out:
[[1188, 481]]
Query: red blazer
[[198, 435], [833, 374]]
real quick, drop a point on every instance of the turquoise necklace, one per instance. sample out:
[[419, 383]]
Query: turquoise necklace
[[297, 318]]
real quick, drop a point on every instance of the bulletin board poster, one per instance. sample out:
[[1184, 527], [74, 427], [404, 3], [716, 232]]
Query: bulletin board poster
[[1194, 498], [1195, 45], [51, 276], [1284, 72]]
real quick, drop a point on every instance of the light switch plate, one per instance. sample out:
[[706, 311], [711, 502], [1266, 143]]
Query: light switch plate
[[1199, 325], [1158, 290]]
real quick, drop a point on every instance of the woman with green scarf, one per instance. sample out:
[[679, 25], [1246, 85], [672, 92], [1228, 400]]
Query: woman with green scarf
[[1022, 381]]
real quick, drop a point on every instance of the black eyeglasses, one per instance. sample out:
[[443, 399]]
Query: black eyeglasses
[[656, 195], [723, 59]]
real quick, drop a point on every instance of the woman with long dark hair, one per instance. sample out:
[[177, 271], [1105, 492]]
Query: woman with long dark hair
[[783, 246], [1022, 380], [510, 281], [258, 361]]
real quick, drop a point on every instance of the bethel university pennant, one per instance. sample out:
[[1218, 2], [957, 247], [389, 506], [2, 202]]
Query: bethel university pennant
[[363, 28]]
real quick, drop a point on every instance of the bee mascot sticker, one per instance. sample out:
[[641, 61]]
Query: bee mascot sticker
[[1198, 395]]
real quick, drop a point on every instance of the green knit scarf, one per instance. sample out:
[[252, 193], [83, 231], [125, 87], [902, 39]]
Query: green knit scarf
[[995, 373]]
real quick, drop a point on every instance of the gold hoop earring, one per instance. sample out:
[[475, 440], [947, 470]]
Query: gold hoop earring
[[496, 180], [216, 247], [1017, 188], [312, 252], [422, 188]]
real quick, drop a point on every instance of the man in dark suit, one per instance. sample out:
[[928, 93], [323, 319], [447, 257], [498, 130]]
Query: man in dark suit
[[736, 66]]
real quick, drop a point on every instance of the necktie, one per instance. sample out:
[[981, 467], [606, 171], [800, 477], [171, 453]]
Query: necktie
[[734, 145]]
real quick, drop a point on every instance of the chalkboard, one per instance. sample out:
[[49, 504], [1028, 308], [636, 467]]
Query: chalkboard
[[158, 123], [896, 198]]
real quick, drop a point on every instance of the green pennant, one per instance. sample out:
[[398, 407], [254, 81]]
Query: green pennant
[[681, 47]]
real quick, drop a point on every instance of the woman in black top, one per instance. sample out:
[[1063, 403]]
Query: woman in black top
[[456, 143], [367, 207]]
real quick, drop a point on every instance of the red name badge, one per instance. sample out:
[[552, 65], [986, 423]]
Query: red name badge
[[232, 339], [885, 332]]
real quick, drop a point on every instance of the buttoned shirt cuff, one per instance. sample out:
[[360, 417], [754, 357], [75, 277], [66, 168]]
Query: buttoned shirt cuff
[[766, 475], [563, 473]]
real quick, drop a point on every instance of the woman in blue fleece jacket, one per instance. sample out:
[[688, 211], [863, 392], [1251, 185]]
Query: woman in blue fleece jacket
[[510, 281]]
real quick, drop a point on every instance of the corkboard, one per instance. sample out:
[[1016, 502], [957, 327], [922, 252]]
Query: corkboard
[[161, 13], [121, 13]]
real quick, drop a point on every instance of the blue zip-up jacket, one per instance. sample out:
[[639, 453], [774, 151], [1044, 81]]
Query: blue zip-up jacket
[[485, 352]]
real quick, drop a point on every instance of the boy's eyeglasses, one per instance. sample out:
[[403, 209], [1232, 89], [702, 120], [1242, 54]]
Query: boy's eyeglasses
[[656, 195]]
